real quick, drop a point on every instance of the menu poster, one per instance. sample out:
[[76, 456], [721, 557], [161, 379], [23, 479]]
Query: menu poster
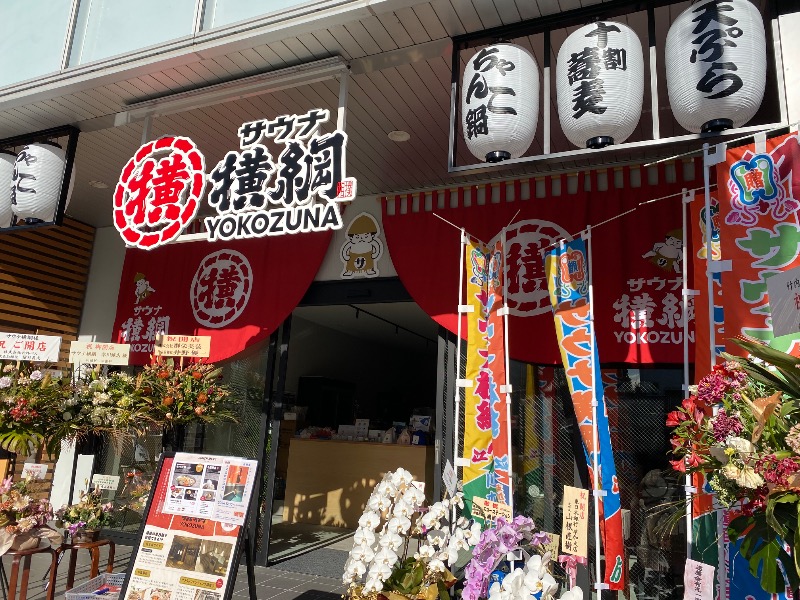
[[183, 556], [216, 487]]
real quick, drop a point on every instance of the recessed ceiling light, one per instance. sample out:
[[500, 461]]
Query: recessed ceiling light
[[399, 136], [101, 185]]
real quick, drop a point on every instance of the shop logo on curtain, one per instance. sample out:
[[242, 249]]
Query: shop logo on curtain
[[253, 194], [221, 288], [527, 286]]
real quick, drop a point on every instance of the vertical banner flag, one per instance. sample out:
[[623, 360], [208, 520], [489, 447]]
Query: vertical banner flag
[[485, 445], [568, 285], [759, 194]]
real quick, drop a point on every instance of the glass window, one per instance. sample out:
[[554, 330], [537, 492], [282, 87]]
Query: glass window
[[224, 12], [32, 37], [109, 27]]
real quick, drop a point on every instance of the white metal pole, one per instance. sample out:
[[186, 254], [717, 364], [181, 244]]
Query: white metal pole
[[341, 114], [722, 571], [685, 295], [457, 387], [596, 484], [510, 499]]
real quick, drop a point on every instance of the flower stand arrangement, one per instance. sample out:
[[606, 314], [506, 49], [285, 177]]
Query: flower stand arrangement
[[84, 520], [41, 408], [741, 429], [379, 566], [518, 539], [23, 519]]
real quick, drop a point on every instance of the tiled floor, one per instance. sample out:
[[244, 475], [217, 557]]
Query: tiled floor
[[271, 583]]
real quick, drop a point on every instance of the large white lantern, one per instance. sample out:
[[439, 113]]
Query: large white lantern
[[600, 84], [38, 174], [716, 63], [7, 160], [500, 102]]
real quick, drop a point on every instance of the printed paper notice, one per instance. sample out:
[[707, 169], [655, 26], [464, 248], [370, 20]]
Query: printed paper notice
[[105, 482], [489, 511], [25, 346], [98, 353], [34, 470], [210, 487], [450, 479], [194, 346], [574, 527], [698, 581]]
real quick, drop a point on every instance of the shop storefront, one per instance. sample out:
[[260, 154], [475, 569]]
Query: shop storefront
[[325, 181]]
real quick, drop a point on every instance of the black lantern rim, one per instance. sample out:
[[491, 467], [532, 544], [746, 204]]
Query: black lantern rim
[[600, 141], [716, 125], [496, 156]]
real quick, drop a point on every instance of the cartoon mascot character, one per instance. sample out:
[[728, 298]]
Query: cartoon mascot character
[[668, 254], [143, 289], [363, 248]]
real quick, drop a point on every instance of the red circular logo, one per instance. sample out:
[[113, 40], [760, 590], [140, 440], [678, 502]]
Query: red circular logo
[[159, 192], [527, 284], [219, 583], [221, 288]]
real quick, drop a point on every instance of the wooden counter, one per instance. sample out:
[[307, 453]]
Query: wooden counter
[[329, 481]]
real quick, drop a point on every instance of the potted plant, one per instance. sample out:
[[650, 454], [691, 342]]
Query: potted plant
[[380, 566], [527, 577], [85, 519], [23, 519]]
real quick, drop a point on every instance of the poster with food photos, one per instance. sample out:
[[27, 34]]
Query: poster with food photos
[[183, 556], [212, 487]]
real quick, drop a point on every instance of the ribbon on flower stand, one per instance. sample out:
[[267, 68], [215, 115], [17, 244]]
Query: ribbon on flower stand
[[570, 564]]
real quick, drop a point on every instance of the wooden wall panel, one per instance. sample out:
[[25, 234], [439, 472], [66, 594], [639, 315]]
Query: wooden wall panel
[[43, 276]]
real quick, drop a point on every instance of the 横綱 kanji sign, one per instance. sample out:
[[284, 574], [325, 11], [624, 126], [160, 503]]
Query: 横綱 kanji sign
[[254, 193]]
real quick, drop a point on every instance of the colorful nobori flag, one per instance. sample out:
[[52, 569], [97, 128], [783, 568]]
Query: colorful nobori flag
[[485, 417], [568, 284]]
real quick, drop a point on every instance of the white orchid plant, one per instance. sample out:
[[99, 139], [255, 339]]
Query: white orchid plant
[[531, 582], [396, 512]]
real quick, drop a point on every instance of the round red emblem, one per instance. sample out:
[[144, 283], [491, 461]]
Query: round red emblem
[[159, 192], [221, 288], [527, 285]]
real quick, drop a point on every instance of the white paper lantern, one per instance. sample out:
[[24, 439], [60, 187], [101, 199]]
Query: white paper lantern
[[600, 84], [38, 173], [500, 102], [7, 160], [716, 63]]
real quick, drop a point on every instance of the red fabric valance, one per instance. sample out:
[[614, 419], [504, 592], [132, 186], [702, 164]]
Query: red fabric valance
[[237, 292], [636, 258]]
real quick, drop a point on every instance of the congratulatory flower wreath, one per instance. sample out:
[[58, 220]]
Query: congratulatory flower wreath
[[741, 430]]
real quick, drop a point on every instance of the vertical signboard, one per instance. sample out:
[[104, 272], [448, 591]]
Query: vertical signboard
[[192, 530]]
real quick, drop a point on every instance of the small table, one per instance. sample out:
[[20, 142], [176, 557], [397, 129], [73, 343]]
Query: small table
[[94, 551], [24, 556]]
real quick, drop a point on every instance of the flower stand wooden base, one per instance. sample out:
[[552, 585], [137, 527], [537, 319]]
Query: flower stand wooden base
[[24, 557], [94, 552]]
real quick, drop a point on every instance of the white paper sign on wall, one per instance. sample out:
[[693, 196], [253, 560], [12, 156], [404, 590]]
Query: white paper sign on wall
[[105, 482], [784, 302], [35, 470]]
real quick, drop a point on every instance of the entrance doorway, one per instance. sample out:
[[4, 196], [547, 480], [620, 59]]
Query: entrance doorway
[[359, 399]]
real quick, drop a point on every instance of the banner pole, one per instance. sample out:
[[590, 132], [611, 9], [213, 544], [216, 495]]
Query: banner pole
[[508, 376], [595, 440], [722, 571], [457, 389], [685, 294]]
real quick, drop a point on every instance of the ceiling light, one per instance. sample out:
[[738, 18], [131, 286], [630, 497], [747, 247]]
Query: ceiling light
[[100, 185], [399, 136]]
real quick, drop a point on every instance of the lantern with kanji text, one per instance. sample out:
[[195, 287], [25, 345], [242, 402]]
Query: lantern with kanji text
[[716, 63], [37, 180], [500, 102], [600, 84]]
